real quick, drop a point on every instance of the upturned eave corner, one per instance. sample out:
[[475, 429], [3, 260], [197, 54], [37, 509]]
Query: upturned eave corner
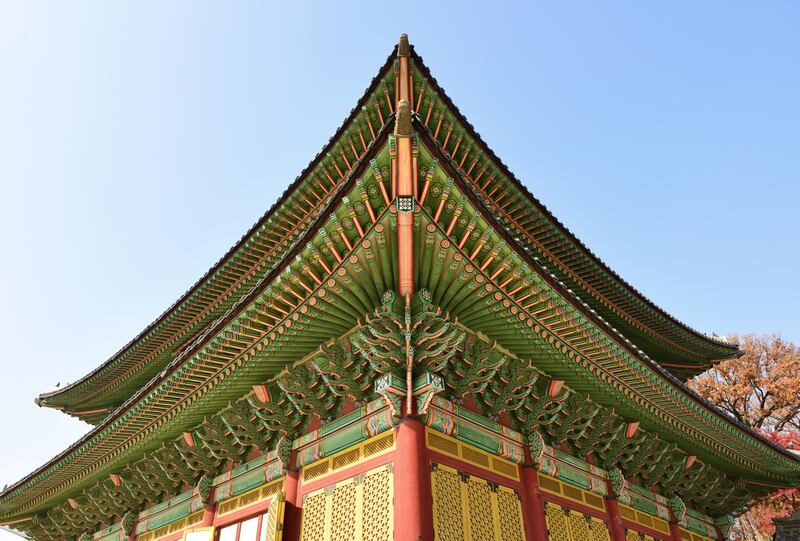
[[125, 372], [400, 314]]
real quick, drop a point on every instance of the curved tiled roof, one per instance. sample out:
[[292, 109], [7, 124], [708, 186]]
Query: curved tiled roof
[[706, 348], [95, 395], [41, 487]]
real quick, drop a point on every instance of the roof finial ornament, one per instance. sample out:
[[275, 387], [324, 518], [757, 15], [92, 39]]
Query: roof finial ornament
[[402, 126], [403, 47]]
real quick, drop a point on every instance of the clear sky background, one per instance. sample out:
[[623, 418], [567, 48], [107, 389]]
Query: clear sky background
[[139, 140]]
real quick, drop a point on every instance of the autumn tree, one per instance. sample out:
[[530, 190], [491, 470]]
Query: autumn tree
[[761, 389]]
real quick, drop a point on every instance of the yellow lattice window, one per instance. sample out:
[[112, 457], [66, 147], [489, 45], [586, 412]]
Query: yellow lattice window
[[468, 453], [249, 498], [631, 535], [315, 516], [570, 492], [349, 457], [509, 514], [479, 499], [691, 536], [447, 505], [173, 527], [644, 519], [569, 525], [468, 507], [273, 523], [378, 500], [358, 508], [343, 508]]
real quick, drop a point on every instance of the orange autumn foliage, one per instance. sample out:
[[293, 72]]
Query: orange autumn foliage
[[762, 390]]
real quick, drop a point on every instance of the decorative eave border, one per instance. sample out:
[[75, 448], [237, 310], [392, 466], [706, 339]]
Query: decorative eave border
[[622, 345], [59, 398], [212, 337], [724, 349]]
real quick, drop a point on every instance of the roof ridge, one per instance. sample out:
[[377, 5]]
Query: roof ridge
[[385, 69], [523, 189], [215, 329], [589, 312]]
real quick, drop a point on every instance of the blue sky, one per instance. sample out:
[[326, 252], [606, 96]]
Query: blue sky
[[139, 140]]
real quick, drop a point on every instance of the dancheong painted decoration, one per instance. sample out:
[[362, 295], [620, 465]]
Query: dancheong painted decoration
[[407, 346]]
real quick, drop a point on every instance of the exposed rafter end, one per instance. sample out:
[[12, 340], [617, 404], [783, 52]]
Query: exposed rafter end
[[17, 521], [262, 393], [554, 389]]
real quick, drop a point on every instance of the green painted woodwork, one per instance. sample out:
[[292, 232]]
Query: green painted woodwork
[[259, 252], [268, 241], [247, 476], [659, 334], [169, 511], [313, 317], [211, 376], [646, 501], [610, 366], [700, 523], [451, 419], [112, 533], [359, 425], [571, 470]]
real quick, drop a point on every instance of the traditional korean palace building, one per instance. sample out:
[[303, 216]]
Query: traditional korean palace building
[[407, 346]]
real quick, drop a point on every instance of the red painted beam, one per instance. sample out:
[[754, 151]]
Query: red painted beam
[[405, 192], [404, 172]]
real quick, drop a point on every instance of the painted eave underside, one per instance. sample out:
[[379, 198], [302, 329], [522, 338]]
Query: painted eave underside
[[94, 396], [504, 232], [679, 348], [38, 486], [150, 416], [33, 486], [683, 350]]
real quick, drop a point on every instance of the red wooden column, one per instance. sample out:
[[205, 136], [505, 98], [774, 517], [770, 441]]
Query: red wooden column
[[292, 514], [533, 516], [674, 531], [208, 514], [615, 519], [413, 502]]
